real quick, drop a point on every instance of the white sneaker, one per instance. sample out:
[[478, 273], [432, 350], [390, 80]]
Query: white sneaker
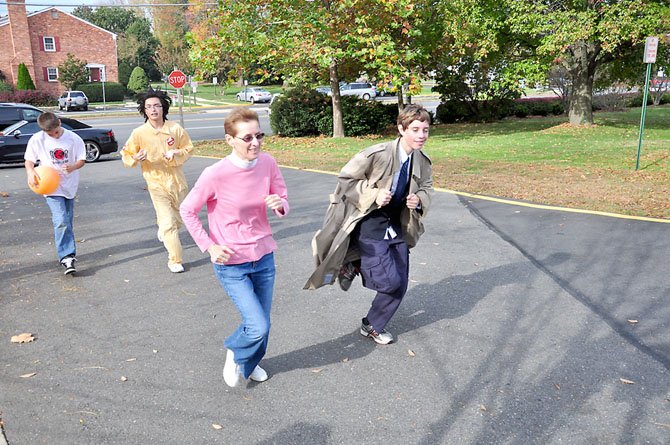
[[231, 370], [159, 236], [258, 374], [176, 268]]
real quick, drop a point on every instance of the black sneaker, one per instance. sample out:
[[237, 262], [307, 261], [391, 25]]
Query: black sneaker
[[382, 338], [68, 263], [347, 274]]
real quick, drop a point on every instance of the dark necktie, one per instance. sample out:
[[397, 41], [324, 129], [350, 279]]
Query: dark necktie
[[402, 181]]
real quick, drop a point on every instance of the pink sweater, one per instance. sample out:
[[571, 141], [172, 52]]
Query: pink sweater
[[236, 210]]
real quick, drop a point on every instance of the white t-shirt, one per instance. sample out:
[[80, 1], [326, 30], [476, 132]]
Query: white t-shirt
[[67, 149]]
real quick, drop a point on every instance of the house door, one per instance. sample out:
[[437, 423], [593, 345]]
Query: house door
[[95, 74]]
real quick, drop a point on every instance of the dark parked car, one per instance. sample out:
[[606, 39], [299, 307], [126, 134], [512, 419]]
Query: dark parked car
[[11, 113], [14, 139]]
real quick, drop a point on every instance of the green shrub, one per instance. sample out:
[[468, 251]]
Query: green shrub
[[114, 91], [298, 111], [24, 81], [453, 111], [4, 86], [360, 117], [138, 81], [637, 101]]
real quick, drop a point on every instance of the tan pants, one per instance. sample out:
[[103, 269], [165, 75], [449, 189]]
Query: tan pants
[[169, 221]]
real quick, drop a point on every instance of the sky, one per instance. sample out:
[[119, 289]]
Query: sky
[[63, 5]]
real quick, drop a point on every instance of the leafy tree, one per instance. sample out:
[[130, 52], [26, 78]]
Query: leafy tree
[[24, 81], [138, 81], [136, 43], [170, 27], [583, 36], [72, 72], [314, 41]]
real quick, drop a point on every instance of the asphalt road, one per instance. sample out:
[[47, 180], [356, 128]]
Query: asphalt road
[[515, 330]]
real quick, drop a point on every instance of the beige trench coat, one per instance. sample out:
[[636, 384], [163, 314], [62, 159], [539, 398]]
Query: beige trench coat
[[354, 197]]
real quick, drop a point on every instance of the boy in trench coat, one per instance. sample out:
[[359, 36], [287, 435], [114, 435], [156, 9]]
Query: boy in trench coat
[[374, 218]]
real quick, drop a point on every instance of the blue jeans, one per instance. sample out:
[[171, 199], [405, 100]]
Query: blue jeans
[[250, 286], [62, 217]]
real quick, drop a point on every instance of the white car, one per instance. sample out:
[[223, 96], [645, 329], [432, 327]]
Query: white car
[[253, 95], [70, 100], [360, 89]]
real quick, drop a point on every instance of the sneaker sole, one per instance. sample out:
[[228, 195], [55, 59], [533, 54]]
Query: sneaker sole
[[70, 271]]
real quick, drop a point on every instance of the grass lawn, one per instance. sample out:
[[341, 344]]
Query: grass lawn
[[541, 160]]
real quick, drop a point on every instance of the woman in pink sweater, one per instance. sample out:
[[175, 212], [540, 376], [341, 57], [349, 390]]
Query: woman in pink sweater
[[238, 190]]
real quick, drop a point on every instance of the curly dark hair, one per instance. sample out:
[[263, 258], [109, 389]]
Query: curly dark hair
[[158, 93]]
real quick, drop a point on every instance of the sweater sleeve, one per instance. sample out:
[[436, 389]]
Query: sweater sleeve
[[201, 193], [278, 187]]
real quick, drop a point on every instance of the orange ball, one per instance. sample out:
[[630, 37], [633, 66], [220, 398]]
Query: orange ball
[[48, 182]]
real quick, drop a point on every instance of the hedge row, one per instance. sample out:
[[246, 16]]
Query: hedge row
[[305, 112], [32, 97], [114, 91], [485, 111]]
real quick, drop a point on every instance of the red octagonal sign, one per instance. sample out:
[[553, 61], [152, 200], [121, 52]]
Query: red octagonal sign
[[177, 79]]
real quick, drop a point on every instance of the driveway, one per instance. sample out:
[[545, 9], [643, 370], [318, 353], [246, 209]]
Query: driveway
[[521, 326]]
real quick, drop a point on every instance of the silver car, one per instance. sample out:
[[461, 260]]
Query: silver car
[[253, 95], [71, 100], [360, 89]]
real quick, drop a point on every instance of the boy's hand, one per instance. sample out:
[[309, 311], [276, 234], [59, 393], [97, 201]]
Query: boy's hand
[[169, 155], [413, 201], [383, 197], [33, 177]]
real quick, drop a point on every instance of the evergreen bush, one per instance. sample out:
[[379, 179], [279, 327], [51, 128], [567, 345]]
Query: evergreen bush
[[138, 81], [24, 81]]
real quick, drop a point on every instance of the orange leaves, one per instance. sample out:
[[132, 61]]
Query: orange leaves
[[23, 338]]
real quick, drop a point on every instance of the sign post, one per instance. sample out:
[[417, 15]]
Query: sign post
[[177, 81], [650, 50]]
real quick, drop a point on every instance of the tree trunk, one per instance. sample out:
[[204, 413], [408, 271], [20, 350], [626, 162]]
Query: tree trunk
[[582, 66], [338, 122], [401, 102]]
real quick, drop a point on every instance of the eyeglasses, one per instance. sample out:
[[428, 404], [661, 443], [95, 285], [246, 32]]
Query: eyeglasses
[[155, 106], [250, 137]]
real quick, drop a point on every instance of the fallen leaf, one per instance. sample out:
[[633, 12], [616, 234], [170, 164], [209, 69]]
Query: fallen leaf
[[557, 386], [155, 351], [26, 376], [127, 281], [632, 321], [482, 407], [124, 378], [411, 353], [626, 381], [216, 426], [317, 370], [131, 359], [662, 425], [23, 338], [4, 194], [345, 359]]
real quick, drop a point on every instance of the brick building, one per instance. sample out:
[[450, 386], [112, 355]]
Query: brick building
[[42, 40]]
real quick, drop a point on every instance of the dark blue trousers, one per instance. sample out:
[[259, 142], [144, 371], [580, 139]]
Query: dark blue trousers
[[385, 269]]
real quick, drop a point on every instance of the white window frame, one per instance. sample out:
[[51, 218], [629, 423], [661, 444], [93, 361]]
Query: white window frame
[[50, 46], [52, 74]]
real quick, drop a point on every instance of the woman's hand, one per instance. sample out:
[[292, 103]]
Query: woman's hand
[[220, 254], [274, 203]]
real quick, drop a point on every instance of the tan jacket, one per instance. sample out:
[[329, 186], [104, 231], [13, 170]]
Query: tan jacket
[[359, 182]]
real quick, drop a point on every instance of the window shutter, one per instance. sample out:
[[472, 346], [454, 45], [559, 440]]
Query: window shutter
[[57, 43], [46, 74], [41, 42]]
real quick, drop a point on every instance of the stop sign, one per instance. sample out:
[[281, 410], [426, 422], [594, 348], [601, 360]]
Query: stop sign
[[177, 79]]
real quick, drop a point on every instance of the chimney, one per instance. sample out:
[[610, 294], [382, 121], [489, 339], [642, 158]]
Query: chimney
[[18, 24]]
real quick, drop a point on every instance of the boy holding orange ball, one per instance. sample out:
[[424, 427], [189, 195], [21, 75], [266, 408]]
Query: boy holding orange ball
[[62, 150]]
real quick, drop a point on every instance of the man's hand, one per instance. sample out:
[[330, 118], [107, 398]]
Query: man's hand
[[413, 201], [220, 254], [141, 155], [383, 197], [170, 154]]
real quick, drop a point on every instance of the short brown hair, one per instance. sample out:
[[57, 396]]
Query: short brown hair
[[238, 115], [48, 121], [411, 113]]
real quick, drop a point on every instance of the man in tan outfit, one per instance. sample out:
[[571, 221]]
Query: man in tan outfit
[[161, 147]]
